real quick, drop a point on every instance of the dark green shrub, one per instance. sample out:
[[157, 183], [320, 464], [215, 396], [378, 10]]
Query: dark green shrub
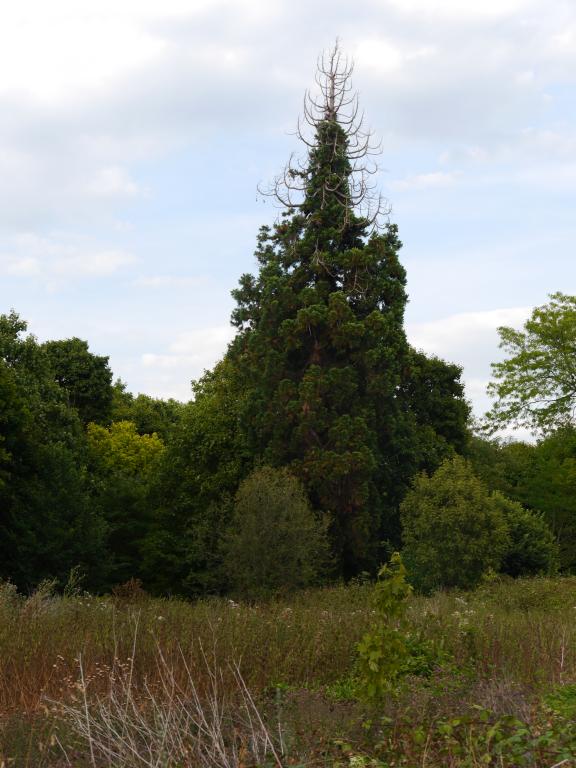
[[453, 531], [532, 550], [275, 543]]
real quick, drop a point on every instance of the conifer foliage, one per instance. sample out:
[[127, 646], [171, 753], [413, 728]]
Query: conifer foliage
[[321, 349]]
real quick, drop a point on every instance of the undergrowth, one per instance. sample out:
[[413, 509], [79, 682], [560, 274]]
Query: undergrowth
[[487, 678]]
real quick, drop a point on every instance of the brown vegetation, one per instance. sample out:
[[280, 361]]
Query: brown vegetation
[[72, 663]]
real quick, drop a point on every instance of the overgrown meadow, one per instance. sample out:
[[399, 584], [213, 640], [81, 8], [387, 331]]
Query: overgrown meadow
[[129, 680], [319, 447]]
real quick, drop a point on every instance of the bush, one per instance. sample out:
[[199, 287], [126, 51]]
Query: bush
[[275, 543], [453, 531], [532, 550]]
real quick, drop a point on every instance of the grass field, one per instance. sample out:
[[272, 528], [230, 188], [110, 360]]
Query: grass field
[[135, 681]]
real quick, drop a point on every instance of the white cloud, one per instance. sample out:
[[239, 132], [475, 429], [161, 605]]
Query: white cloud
[[384, 56], [78, 263], [169, 281], [526, 148], [21, 266], [469, 339], [59, 52], [553, 177], [56, 55], [195, 350], [533, 158], [423, 181], [113, 182], [463, 330], [203, 341], [168, 374], [462, 9], [56, 260]]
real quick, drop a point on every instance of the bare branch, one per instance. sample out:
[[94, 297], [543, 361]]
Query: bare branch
[[334, 102]]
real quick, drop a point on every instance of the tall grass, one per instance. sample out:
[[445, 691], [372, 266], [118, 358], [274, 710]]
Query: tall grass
[[307, 641], [136, 668]]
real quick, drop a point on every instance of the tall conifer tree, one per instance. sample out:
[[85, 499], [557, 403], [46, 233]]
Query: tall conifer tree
[[321, 347]]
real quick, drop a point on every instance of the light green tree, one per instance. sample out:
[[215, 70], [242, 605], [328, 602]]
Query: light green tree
[[453, 531], [123, 465], [540, 476], [535, 386], [119, 448]]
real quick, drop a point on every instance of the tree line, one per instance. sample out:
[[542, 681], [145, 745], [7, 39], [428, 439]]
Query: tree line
[[319, 444]]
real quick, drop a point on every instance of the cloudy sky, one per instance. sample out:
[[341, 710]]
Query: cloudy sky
[[133, 135]]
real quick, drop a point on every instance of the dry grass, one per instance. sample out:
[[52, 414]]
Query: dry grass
[[307, 641], [173, 725], [136, 660]]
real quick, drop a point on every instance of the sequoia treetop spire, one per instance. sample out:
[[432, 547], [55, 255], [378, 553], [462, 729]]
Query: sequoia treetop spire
[[332, 121]]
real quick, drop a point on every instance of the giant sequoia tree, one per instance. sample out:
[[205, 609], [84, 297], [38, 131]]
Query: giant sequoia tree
[[321, 353]]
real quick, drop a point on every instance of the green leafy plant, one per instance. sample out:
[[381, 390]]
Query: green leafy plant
[[562, 701], [383, 652], [480, 737]]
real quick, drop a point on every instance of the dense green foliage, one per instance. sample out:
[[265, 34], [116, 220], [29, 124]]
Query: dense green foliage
[[457, 527], [535, 385], [275, 542], [532, 549], [205, 460], [330, 385], [86, 378], [123, 465], [541, 476], [73, 494], [149, 414], [453, 531], [47, 522]]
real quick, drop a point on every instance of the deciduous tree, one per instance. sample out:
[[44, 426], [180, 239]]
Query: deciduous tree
[[535, 386], [47, 521], [85, 377], [275, 542], [123, 465]]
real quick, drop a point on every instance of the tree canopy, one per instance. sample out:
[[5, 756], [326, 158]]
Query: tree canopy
[[453, 530], [535, 386], [86, 378], [47, 521], [275, 542]]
